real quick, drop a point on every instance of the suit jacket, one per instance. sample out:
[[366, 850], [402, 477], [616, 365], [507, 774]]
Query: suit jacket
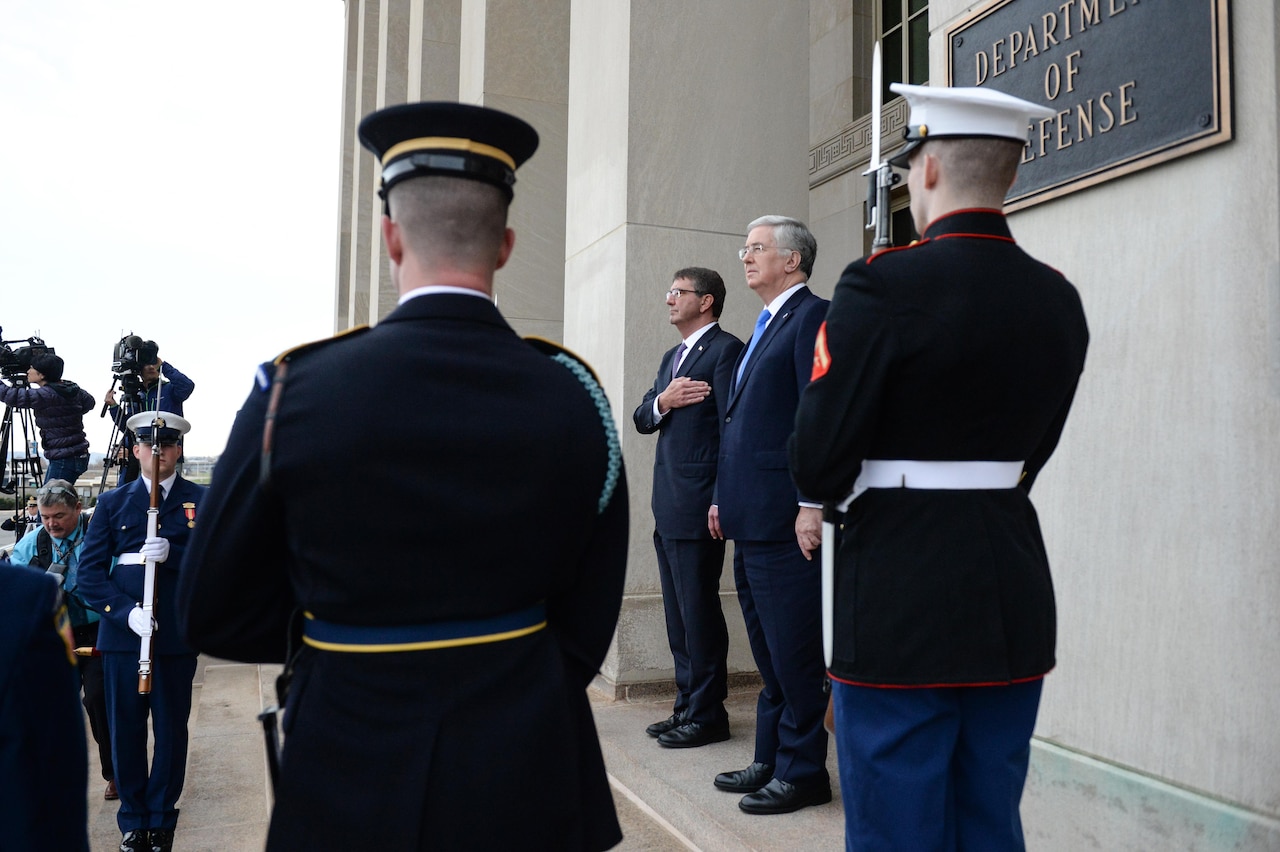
[[119, 525], [490, 465], [684, 464], [754, 491], [959, 348]]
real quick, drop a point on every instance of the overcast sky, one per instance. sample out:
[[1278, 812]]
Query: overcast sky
[[170, 169]]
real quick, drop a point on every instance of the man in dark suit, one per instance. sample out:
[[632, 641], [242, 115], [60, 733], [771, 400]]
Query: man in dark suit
[[685, 406], [942, 379], [774, 532], [44, 765], [439, 697], [111, 577]]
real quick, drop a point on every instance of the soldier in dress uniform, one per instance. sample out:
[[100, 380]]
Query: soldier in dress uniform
[[44, 763], [942, 379], [111, 577], [438, 698]]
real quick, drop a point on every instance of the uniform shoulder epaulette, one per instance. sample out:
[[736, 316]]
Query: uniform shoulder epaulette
[[271, 376], [264, 376], [895, 249], [583, 372], [293, 352], [554, 350]]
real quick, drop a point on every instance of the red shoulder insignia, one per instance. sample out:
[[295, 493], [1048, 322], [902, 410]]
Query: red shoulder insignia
[[821, 355]]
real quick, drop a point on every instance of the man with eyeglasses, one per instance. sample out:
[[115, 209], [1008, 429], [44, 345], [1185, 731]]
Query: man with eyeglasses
[[55, 546], [112, 574], [775, 530], [685, 406]]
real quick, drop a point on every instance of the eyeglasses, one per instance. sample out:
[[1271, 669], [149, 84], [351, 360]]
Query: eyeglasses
[[756, 248], [675, 292], [51, 490]]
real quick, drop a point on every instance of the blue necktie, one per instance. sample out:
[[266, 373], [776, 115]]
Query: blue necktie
[[675, 364], [761, 322]]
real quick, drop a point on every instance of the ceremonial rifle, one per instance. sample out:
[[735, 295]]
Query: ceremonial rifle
[[881, 179], [880, 175], [149, 575]]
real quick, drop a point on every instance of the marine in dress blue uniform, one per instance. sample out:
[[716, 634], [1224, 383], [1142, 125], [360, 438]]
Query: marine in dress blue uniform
[[44, 762], [111, 581], [943, 376], [438, 700], [685, 406]]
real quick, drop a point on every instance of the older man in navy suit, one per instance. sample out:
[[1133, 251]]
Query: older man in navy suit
[[775, 531], [112, 570], [685, 406]]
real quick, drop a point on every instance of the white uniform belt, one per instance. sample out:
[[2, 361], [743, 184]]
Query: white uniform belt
[[131, 559], [940, 475]]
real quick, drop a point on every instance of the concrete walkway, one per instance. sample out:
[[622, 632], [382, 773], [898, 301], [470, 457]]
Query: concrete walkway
[[664, 797]]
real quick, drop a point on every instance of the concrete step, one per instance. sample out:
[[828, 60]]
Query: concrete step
[[672, 787]]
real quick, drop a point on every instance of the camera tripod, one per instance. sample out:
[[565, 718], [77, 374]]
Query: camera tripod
[[117, 444], [14, 471]]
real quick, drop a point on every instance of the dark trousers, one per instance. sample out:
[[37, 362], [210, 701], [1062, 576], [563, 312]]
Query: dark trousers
[[780, 593], [149, 789], [934, 768], [95, 696], [690, 573]]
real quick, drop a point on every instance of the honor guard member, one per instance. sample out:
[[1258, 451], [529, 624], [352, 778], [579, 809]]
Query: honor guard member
[[438, 700], [942, 379], [112, 576], [44, 764]]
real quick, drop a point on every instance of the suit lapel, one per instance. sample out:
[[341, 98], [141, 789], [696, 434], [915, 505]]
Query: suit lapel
[[773, 330], [696, 352]]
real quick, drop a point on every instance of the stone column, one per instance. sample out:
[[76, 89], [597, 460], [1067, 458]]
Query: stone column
[[515, 57], [397, 51], [686, 121]]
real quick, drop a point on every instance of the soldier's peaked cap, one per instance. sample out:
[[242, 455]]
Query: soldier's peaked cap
[[171, 426], [963, 113], [447, 139]]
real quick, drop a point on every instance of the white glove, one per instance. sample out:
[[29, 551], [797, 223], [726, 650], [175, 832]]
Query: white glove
[[155, 549], [140, 623]]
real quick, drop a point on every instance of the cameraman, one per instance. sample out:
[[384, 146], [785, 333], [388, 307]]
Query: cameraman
[[157, 374], [59, 409], [162, 384]]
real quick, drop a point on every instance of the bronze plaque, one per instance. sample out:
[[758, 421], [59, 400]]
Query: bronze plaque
[[1135, 83]]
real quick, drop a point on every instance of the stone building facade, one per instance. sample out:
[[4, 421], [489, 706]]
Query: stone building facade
[[668, 125]]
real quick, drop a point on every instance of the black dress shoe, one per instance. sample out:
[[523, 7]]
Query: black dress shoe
[[162, 840], [694, 734], [746, 780], [657, 729], [779, 797], [135, 841]]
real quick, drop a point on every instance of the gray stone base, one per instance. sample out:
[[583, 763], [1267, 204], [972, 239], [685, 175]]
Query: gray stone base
[[1074, 802], [652, 690]]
